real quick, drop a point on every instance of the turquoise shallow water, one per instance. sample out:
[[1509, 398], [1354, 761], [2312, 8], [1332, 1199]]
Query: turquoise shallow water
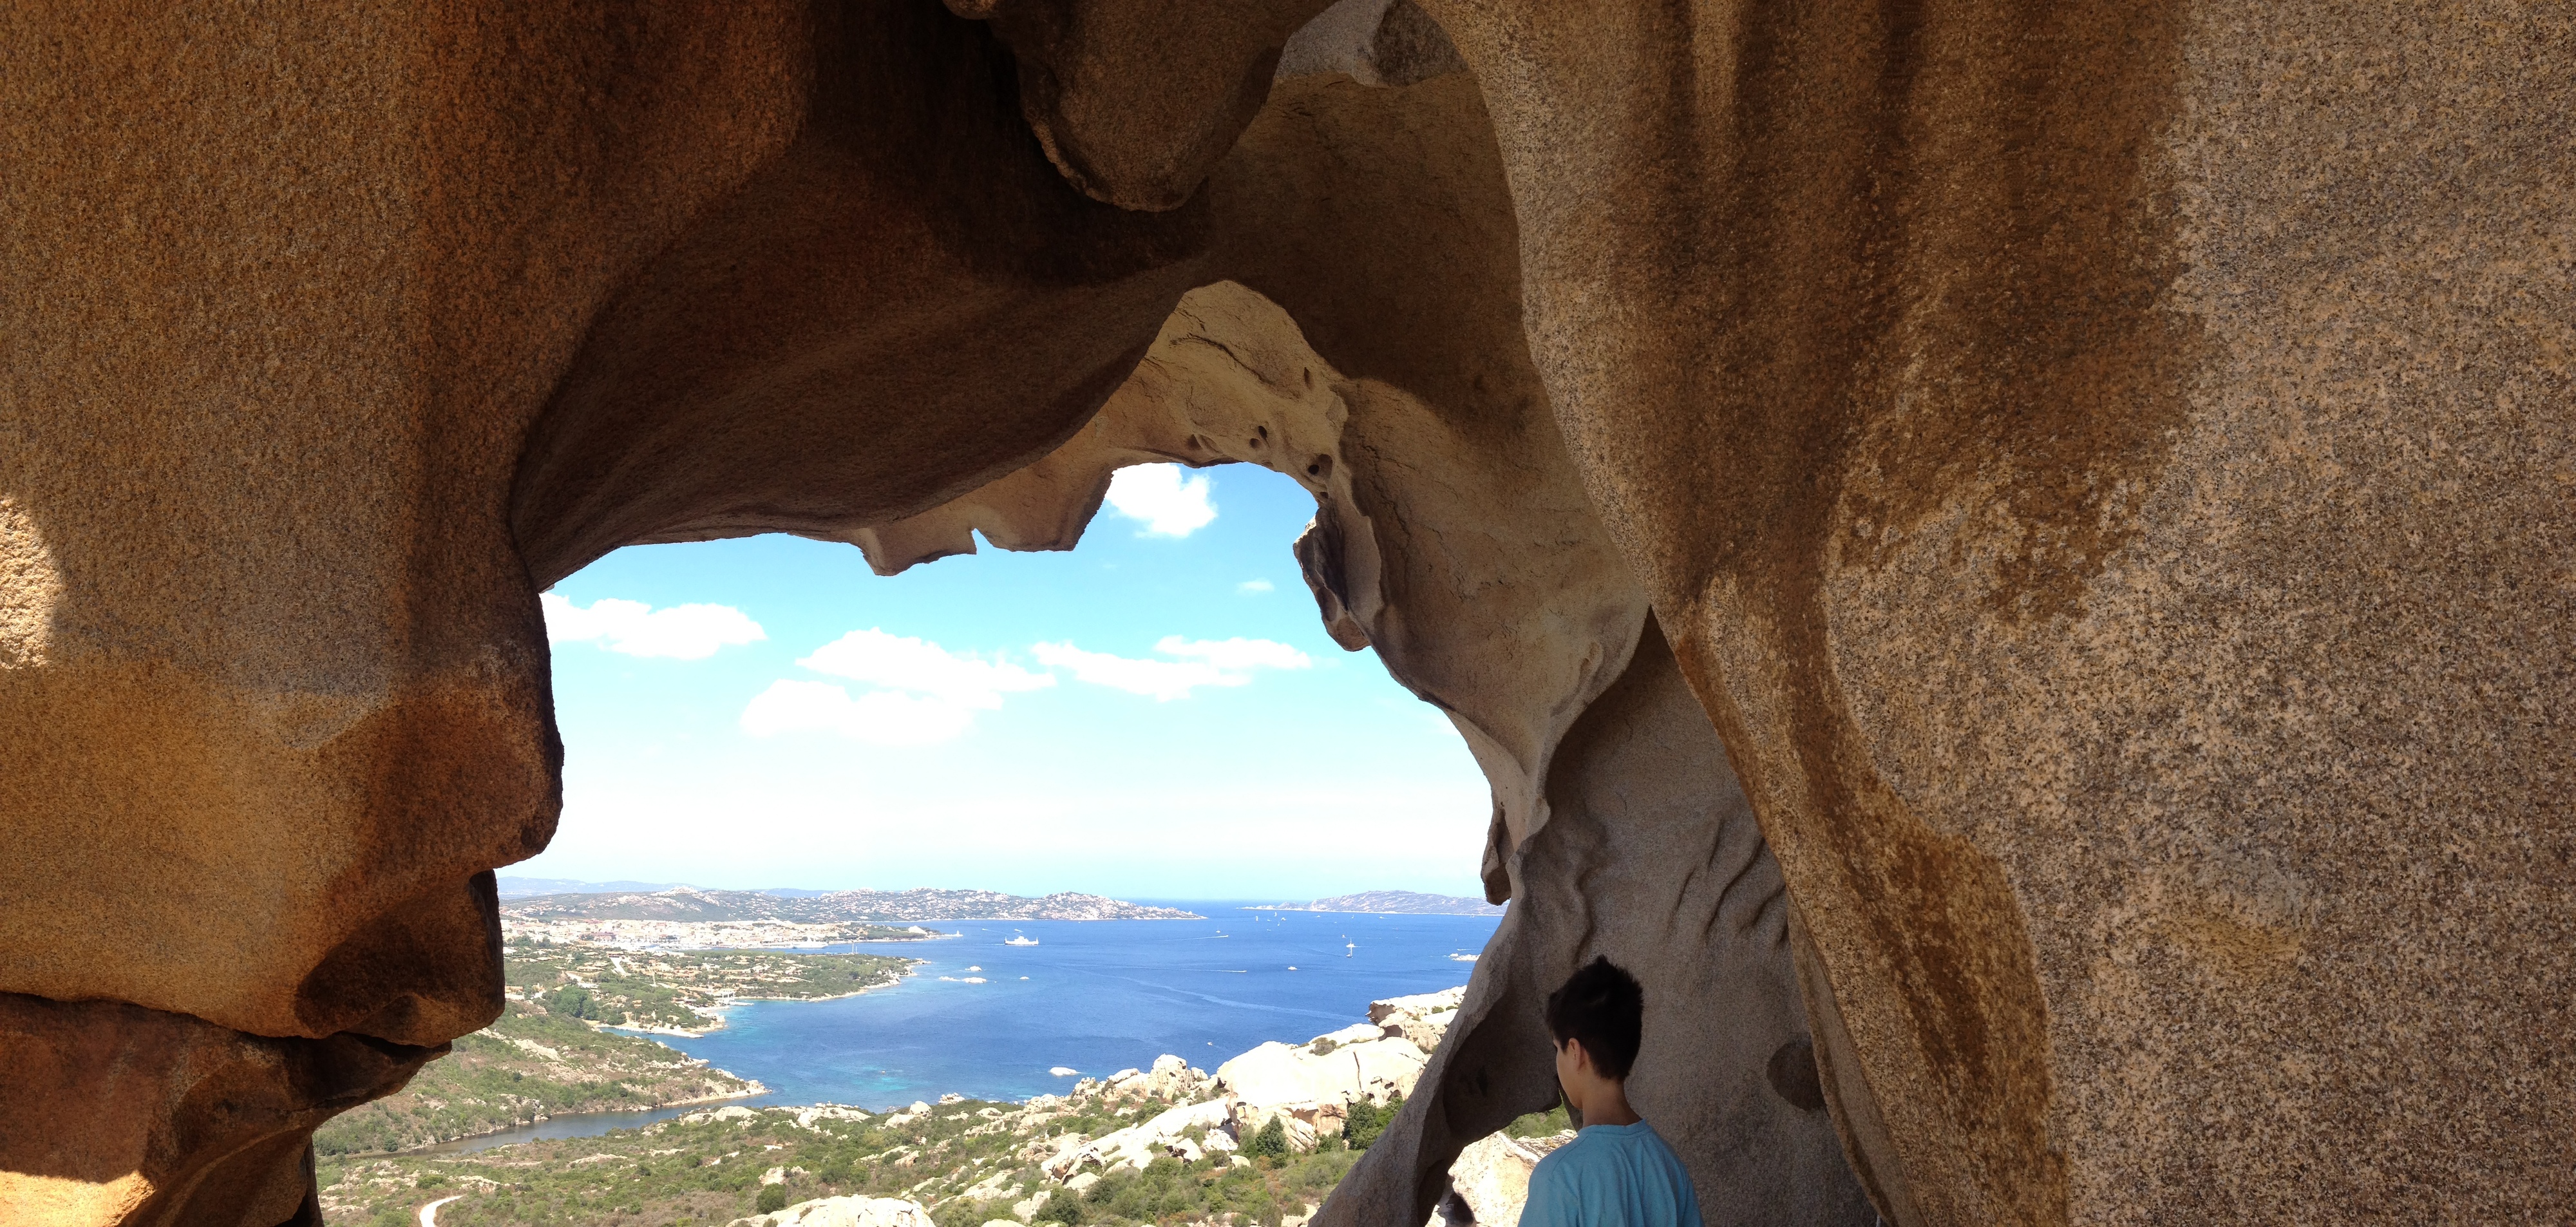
[[1095, 996]]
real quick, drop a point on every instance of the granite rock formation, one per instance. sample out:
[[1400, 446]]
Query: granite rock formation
[[2015, 559]]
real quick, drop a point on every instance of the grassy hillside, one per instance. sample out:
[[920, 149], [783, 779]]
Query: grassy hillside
[[528, 1063], [968, 1161], [545, 1057]]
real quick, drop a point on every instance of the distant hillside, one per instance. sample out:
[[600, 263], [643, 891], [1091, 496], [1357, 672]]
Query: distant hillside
[[1397, 902], [831, 907], [520, 888]]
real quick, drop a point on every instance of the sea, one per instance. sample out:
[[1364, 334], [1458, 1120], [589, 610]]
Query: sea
[[990, 1020]]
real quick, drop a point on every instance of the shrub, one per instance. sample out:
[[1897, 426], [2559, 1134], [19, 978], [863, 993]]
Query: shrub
[[1324, 1047], [1268, 1142], [773, 1198], [572, 1002], [1540, 1124], [1065, 1207], [1368, 1120]]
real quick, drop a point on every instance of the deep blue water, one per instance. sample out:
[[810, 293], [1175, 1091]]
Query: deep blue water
[[1095, 996]]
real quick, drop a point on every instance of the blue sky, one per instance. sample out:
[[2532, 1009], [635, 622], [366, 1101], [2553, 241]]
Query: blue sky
[[1157, 713]]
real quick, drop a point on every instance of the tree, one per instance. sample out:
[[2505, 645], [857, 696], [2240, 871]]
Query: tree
[[1268, 1142], [773, 1198], [1368, 1120], [573, 1002]]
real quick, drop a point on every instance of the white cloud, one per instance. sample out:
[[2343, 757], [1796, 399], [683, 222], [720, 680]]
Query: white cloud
[[682, 632], [1205, 663], [1254, 585], [927, 694], [879, 717], [1235, 655], [900, 663], [1170, 503], [1163, 679]]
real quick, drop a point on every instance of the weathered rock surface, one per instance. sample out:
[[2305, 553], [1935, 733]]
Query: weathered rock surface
[[2101, 473], [1171, 1078], [1373, 1068], [1423, 1018], [1492, 1175], [116, 1113], [1138, 1144], [844, 1212], [2111, 494]]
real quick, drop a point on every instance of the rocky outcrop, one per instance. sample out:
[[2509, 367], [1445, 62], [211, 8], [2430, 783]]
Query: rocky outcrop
[[844, 1212], [2097, 473], [1352, 1065], [1423, 1018], [1167, 1132], [1492, 1176], [1170, 1079]]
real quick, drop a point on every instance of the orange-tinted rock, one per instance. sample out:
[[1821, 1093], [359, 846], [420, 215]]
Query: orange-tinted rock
[[2102, 472], [121, 1114], [2105, 470]]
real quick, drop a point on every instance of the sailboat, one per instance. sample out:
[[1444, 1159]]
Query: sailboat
[[1350, 950]]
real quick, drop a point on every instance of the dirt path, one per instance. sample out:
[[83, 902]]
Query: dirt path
[[429, 1213]]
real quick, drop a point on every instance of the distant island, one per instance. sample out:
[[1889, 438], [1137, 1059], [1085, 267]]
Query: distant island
[[1392, 902], [839, 907]]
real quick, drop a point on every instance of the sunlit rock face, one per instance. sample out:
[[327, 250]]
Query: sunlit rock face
[[2105, 471], [2038, 533]]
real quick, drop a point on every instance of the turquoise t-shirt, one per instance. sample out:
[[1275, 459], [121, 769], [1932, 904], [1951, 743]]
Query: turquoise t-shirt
[[1611, 1176]]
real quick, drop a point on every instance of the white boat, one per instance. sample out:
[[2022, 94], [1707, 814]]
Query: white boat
[[1021, 941]]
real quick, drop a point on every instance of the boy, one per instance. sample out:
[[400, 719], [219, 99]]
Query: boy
[[1616, 1172]]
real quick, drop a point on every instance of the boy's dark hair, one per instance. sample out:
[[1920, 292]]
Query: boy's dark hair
[[1602, 1006]]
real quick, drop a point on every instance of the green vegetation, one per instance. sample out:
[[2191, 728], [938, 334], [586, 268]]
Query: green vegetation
[[672, 990], [1541, 1124], [544, 1058], [772, 1200], [967, 1161], [1367, 1120], [527, 1063], [1268, 1142]]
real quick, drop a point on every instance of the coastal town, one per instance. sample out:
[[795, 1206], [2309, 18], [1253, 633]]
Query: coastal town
[[840, 907], [632, 934]]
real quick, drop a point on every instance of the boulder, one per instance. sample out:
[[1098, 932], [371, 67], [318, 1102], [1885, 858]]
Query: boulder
[[1492, 1175], [1136, 1145], [1372, 1068], [1423, 1018], [1171, 1079], [844, 1212]]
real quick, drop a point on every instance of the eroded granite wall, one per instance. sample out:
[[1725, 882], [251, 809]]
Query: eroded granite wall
[[2103, 471]]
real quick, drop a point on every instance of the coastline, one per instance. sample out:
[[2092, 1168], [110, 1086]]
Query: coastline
[[719, 1024], [754, 1090]]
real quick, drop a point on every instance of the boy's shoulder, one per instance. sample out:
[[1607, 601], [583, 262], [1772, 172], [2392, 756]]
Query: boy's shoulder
[[1598, 1144], [1611, 1175]]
